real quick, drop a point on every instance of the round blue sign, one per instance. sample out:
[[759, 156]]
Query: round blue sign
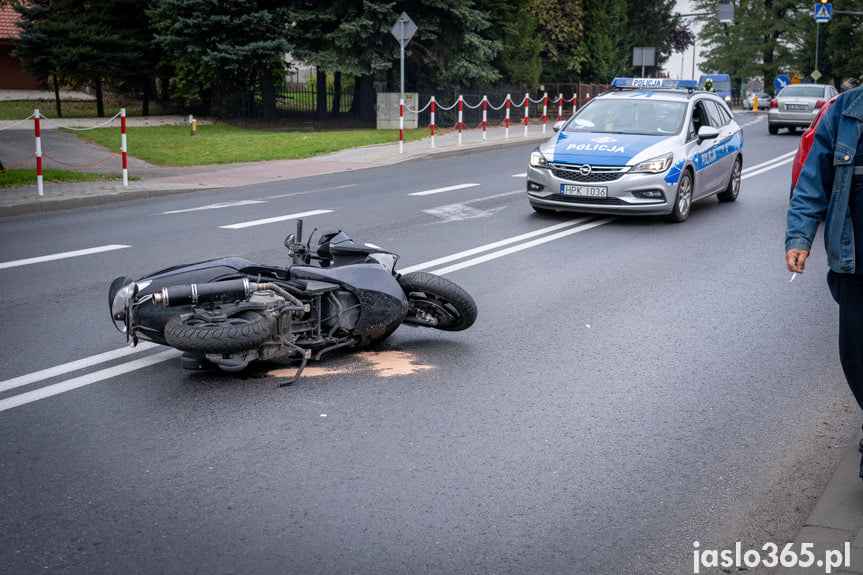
[[781, 81]]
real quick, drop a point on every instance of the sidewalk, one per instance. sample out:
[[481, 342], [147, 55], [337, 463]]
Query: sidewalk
[[149, 181], [836, 520]]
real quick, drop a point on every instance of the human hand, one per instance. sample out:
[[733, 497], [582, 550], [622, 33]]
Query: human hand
[[795, 259]]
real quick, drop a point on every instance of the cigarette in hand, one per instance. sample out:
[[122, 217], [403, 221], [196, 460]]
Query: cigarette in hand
[[793, 275]]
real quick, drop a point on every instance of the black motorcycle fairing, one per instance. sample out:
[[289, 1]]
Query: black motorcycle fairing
[[382, 300], [208, 270]]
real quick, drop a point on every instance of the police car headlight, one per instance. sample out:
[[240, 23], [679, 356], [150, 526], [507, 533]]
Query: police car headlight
[[537, 160], [656, 165]]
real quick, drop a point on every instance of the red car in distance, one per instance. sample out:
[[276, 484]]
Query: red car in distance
[[806, 142]]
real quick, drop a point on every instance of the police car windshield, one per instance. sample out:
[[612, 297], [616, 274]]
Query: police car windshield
[[629, 116]]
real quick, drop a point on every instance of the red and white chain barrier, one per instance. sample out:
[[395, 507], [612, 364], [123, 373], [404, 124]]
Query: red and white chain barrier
[[461, 103], [38, 118]]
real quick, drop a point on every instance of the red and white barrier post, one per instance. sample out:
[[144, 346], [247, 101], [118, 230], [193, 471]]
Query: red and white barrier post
[[506, 133], [559, 107], [123, 146], [432, 121], [484, 115], [526, 108], [460, 103], [401, 125], [38, 154], [544, 110], [574, 103]]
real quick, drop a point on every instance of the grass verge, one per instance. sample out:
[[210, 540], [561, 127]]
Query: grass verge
[[27, 177], [223, 144]]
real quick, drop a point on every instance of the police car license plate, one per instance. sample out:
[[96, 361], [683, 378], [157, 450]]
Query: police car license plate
[[584, 191], [795, 106]]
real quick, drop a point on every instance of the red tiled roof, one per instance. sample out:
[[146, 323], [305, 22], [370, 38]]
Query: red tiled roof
[[8, 18]]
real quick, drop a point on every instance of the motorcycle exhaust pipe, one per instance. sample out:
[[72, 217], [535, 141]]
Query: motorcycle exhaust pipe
[[229, 290]]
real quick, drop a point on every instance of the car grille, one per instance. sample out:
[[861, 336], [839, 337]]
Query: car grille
[[586, 200], [572, 172]]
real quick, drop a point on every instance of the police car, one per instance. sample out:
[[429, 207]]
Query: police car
[[647, 146]]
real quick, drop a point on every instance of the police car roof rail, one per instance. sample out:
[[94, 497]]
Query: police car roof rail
[[654, 84]]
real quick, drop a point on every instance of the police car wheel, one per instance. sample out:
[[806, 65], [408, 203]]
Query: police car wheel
[[683, 201], [730, 193]]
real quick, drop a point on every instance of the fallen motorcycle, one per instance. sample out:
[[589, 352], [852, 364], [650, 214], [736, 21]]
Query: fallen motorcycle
[[229, 312]]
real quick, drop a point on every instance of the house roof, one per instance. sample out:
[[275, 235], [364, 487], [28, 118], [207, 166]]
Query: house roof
[[8, 18]]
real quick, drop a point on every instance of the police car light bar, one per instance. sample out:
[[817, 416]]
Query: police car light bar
[[654, 83]]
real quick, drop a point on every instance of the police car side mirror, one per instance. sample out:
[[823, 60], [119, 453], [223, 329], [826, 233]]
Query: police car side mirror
[[707, 133], [557, 126]]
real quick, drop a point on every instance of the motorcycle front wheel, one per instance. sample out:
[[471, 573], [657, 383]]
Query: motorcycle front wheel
[[240, 332], [436, 302]]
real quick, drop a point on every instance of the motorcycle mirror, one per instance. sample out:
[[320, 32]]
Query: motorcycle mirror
[[289, 241]]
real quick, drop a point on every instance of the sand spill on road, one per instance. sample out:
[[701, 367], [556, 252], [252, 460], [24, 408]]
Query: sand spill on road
[[382, 363]]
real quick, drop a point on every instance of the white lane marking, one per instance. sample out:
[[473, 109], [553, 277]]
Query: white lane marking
[[520, 247], [768, 165], [293, 194], [521, 175], [275, 219], [491, 246], [441, 190], [217, 206], [75, 383], [61, 256], [72, 366]]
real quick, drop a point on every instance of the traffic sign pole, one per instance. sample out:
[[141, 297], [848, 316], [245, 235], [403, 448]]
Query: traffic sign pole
[[817, 30]]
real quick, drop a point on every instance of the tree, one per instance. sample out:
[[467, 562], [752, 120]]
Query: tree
[[232, 44], [559, 33], [71, 42], [605, 24], [592, 40], [450, 47], [658, 26], [511, 25], [39, 46], [761, 42], [344, 37]]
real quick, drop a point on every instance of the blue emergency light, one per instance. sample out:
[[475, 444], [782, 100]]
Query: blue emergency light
[[666, 83]]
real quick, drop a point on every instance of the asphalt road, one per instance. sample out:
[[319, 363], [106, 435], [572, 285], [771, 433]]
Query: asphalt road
[[629, 388]]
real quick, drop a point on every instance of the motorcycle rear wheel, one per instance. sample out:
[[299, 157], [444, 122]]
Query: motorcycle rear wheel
[[240, 332], [436, 302]]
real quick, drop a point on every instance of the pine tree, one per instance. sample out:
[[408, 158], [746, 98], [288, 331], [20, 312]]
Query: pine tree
[[229, 44], [40, 46]]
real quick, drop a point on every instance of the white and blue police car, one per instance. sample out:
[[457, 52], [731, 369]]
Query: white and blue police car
[[647, 146]]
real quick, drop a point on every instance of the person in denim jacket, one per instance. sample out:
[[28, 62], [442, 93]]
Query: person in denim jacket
[[830, 186]]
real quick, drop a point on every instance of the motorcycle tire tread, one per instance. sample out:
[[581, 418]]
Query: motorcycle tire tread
[[228, 338]]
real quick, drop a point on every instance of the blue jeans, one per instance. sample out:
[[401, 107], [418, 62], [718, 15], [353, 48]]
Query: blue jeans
[[847, 290]]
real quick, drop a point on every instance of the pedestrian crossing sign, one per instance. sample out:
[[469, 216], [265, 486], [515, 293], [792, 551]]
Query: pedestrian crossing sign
[[822, 12]]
